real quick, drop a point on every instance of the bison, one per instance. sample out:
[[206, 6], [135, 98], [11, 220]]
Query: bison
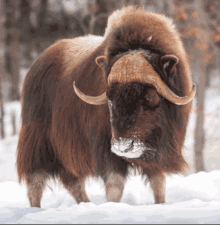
[[97, 106]]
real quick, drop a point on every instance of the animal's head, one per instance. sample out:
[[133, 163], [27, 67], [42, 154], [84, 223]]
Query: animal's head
[[142, 94], [138, 101]]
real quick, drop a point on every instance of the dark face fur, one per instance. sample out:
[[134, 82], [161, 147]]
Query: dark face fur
[[141, 119], [135, 118]]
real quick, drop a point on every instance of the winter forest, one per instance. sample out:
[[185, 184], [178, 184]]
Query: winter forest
[[28, 27]]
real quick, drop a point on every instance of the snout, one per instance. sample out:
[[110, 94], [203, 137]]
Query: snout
[[127, 148]]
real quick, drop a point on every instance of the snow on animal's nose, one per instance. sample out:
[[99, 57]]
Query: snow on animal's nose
[[122, 145], [127, 148]]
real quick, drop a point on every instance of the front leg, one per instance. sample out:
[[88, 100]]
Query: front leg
[[158, 185], [114, 187]]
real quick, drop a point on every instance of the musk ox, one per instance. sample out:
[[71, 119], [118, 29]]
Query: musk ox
[[96, 106]]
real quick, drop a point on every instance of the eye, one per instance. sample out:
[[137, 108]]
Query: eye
[[152, 97], [151, 94]]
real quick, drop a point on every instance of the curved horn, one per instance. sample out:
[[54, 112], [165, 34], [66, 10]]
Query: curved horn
[[99, 100], [167, 93], [131, 68]]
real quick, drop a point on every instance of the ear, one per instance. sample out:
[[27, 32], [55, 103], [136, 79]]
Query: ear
[[101, 61], [169, 63]]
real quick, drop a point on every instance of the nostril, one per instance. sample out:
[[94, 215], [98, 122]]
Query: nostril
[[130, 147]]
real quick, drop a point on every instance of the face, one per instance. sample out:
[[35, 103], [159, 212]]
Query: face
[[135, 118]]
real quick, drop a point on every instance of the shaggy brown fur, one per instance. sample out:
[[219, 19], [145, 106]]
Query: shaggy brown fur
[[62, 136]]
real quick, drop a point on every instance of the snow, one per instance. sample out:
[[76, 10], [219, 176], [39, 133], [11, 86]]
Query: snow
[[193, 198]]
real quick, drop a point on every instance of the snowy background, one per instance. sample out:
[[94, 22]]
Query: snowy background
[[193, 198]]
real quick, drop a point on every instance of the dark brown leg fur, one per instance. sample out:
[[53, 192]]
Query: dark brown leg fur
[[114, 187], [75, 186], [158, 185], [35, 185]]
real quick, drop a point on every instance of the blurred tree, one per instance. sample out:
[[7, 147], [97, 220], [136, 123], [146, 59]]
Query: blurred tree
[[41, 30], [42, 15], [195, 31], [212, 8], [2, 114], [12, 47], [13, 123], [24, 26], [203, 49], [99, 11], [75, 17]]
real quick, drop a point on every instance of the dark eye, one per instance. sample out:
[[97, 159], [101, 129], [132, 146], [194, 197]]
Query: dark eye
[[152, 97], [151, 94]]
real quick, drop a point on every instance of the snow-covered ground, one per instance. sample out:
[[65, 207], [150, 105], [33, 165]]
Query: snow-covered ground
[[194, 198]]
